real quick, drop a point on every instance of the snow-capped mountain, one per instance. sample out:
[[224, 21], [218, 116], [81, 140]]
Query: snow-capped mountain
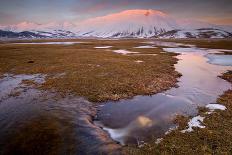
[[196, 33], [130, 23], [126, 24], [34, 30]]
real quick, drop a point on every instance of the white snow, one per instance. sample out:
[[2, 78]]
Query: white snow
[[184, 50], [10, 82], [117, 134], [213, 107], [139, 61], [194, 122], [198, 33], [124, 52], [168, 44], [135, 23], [158, 140], [103, 47], [217, 51], [50, 43], [145, 54], [147, 46], [128, 23], [170, 130]]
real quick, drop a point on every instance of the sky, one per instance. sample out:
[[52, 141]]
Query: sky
[[44, 11]]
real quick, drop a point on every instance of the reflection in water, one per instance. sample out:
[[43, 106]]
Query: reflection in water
[[141, 122], [199, 86]]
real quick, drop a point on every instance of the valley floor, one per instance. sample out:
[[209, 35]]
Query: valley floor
[[96, 73], [100, 71]]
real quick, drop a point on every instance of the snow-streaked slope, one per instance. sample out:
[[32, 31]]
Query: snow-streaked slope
[[34, 30], [126, 24], [130, 23], [30, 26], [196, 33]]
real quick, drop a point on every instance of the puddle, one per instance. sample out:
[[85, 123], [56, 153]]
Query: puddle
[[211, 54], [168, 44], [136, 120], [50, 43], [225, 60]]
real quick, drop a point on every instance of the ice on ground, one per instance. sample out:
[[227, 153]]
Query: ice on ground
[[124, 52], [10, 82], [117, 134], [168, 44], [145, 54], [158, 140], [185, 50], [147, 46], [223, 60], [213, 107], [50, 43], [170, 130], [103, 47], [195, 49], [139, 61], [194, 122], [217, 51]]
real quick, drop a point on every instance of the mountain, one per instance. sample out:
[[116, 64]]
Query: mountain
[[126, 24], [196, 33], [130, 23], [34, 30]]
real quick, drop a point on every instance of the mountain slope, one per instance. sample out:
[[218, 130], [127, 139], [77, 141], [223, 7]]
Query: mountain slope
[[196, 33], [130, 23], [126, 24]]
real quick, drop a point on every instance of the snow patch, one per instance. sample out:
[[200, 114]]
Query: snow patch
[[117, 134], [103, 47], [11, 82], [145, 54], [194, 122], [50, 43], [168, 44], [139, 61], [159, 140], [184, 50], [147, 46], [124, 52], [213, 107]]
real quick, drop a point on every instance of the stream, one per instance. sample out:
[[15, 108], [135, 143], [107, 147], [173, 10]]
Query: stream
[[137, 120]]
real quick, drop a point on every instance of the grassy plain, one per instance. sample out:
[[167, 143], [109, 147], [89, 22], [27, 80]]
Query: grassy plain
[[97, 74]]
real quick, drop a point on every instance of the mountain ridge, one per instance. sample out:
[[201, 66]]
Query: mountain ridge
[[126, 24]]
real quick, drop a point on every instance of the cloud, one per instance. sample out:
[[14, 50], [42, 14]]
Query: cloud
[[6, 18]]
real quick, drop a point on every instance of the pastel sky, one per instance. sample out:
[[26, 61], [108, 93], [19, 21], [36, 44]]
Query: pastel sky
[[44, 11]]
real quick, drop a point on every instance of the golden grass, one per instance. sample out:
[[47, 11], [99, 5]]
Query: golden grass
[[97, 74]]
